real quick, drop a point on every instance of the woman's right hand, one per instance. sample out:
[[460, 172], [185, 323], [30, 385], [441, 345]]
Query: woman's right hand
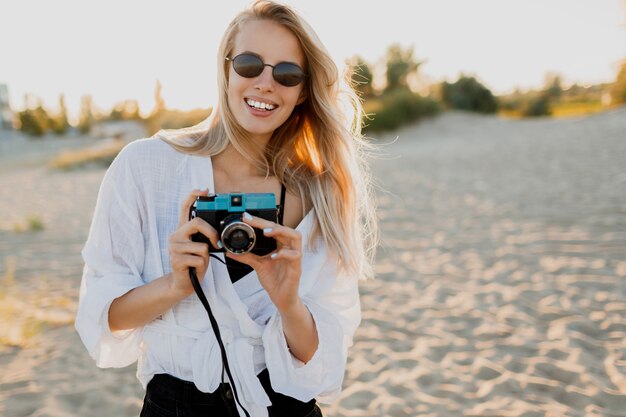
[[185, 253]]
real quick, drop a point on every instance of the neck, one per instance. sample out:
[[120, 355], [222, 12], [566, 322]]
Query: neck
[[231, 161]]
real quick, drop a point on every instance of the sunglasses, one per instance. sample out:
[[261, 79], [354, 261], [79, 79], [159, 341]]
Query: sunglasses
[[285, 73]]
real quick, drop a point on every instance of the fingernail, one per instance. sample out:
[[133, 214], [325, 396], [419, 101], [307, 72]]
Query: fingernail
[[274, 255], [247, 216], [219, 244], [267, 230]]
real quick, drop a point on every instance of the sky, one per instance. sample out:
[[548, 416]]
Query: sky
[[118, 49]]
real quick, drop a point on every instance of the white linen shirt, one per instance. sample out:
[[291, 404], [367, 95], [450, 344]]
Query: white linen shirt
[[137, 210]]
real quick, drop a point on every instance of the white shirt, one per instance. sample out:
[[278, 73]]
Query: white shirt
[[137, 210]]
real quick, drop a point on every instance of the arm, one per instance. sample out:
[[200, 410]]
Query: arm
[[143, 304], [279, 275], [306, 342], [300, 331], [113, 286], [332, 298]]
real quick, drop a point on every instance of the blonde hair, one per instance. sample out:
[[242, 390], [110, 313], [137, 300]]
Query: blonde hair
[[318, 153]]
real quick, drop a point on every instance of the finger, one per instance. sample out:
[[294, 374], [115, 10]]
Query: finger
[[257, 222], [287, 254], [285, 235], [193, 226], [245, 258], [186, 206], [183, 261], [279, 232], [195, 248]]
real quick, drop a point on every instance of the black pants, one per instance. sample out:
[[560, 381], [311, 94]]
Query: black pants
[[167, 396]]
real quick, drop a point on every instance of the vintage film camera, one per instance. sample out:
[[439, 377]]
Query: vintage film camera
[[224, 211]]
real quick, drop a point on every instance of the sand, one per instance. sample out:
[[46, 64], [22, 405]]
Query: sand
[[500, 289]]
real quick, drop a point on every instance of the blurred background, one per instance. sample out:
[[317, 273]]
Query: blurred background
[[501, 187], [78, 63]]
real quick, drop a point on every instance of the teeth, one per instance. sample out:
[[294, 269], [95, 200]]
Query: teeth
[[259, 105]]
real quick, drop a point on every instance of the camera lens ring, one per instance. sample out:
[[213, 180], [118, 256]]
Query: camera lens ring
[[234, 227]]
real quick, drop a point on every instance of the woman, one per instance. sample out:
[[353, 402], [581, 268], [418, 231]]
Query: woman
[[285, 319]]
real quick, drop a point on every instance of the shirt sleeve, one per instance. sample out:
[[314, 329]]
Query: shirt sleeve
[[333, 301], [113, 256]]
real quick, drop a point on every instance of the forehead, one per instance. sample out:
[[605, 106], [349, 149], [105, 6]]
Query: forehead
[[271, 41]]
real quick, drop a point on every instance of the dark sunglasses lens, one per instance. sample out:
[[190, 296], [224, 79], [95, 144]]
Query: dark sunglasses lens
[[248, 65], [288, 74]]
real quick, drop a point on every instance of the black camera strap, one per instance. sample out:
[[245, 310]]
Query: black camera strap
[[198, 289]]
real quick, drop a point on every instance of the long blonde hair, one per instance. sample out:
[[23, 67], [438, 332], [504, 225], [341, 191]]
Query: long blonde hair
[[318, 153]]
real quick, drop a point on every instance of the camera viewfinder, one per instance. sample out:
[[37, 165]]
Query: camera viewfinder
[[235, 201]]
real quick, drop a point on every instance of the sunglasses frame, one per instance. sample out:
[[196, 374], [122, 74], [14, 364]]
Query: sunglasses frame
[[304, 74]]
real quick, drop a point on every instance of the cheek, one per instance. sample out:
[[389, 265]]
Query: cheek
[[233, 94], [292, 96], [235, 85]]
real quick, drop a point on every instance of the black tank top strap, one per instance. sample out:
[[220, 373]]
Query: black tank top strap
[[281, 207]]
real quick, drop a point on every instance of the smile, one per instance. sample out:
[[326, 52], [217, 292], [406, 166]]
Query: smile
[[259, 105]]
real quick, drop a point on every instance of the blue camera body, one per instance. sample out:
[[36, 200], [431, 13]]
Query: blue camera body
[[224, 211], [237, 202]]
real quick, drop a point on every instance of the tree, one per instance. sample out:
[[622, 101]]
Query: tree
[[85, 118], [125, 110], [537, 106], [400, 65], [159, 102], [361, 76], [468, 94], [34, 120], [618, 90], [553, 86], [59, 122]]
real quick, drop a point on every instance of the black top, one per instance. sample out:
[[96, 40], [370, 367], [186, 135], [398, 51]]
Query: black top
[[238, 270]]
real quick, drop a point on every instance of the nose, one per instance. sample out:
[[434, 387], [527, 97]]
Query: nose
[[265, 80]]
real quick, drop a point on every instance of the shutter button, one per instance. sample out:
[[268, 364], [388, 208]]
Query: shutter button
[[229, 393]]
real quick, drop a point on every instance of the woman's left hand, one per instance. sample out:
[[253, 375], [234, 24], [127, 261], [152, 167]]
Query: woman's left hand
[[278, 272]]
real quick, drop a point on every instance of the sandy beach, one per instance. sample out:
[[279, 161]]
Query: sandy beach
[[500, 289]]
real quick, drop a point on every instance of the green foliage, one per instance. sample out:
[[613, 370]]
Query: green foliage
[[59, 123], [85, 118], [398, 108], [400, 65], [99, 155], [468, 94], [618, 90], [34, 121], [125, 110], [575, 100], [35, 222], [537, 106], [159, 102], [175, 119], [553, 88]]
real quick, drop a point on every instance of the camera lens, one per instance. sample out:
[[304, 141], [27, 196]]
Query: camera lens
[[238, 237]]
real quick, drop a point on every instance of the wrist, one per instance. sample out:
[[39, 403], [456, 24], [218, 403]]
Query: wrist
[[175, 290], [293, 310]]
